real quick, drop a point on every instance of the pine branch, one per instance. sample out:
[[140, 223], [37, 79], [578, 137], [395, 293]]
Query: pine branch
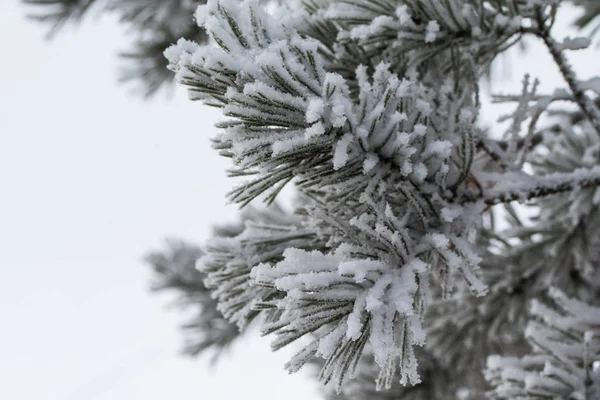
[[380, 153], [449, 38], [585, 103], [437, 383], [565, 338], [526, 188], [175, 270], [261, 236], [145, 65], [376, 166], [58, 13]]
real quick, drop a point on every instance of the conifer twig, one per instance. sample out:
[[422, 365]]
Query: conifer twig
[[584, 102], [541, 186]]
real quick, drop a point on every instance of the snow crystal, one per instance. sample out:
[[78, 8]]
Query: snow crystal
[[328, 344], [441, 148], [340, 155], [402, 139], [497, 362], [403, 88], [449, 214], [201, 14], [314, 130], [354, 321], [420, 130], [354, 325], [520, 188], [338, 115], [376, 293], [301, 261], [419, 334], [363, 78], [423, 107], [309, 281], [420, 171], [378, 24], [433, 28], [370, 162], [335, 80], [175, 52], [315, 110], [360, 268], [403, 14], [406, 168], [438, 240]]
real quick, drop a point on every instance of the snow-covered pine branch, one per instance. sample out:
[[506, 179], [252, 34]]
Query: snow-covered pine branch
[[528, 187], [436, 383], [261, 236], [588, 107], [366, 156], [363, 159], [463, 330], [439, 38], [175, 271], [290, 118], [565, 224], [557, 245], [565, 336], [371, 109]]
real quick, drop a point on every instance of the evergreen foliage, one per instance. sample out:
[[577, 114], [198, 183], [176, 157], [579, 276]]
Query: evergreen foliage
[[564, 335], [417, 236], [175, 270]]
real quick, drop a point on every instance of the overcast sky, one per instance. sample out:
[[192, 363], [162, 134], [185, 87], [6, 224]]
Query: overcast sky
[[91, 178]]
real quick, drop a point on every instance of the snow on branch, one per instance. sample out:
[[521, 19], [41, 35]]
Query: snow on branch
[[436, 383], [376, 165], [529, 187], [384, 153], [588, 107], [262, 236], [290, 118], [565, 336], [453, 35]]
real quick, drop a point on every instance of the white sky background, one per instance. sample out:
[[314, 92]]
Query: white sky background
[[91, 178]]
